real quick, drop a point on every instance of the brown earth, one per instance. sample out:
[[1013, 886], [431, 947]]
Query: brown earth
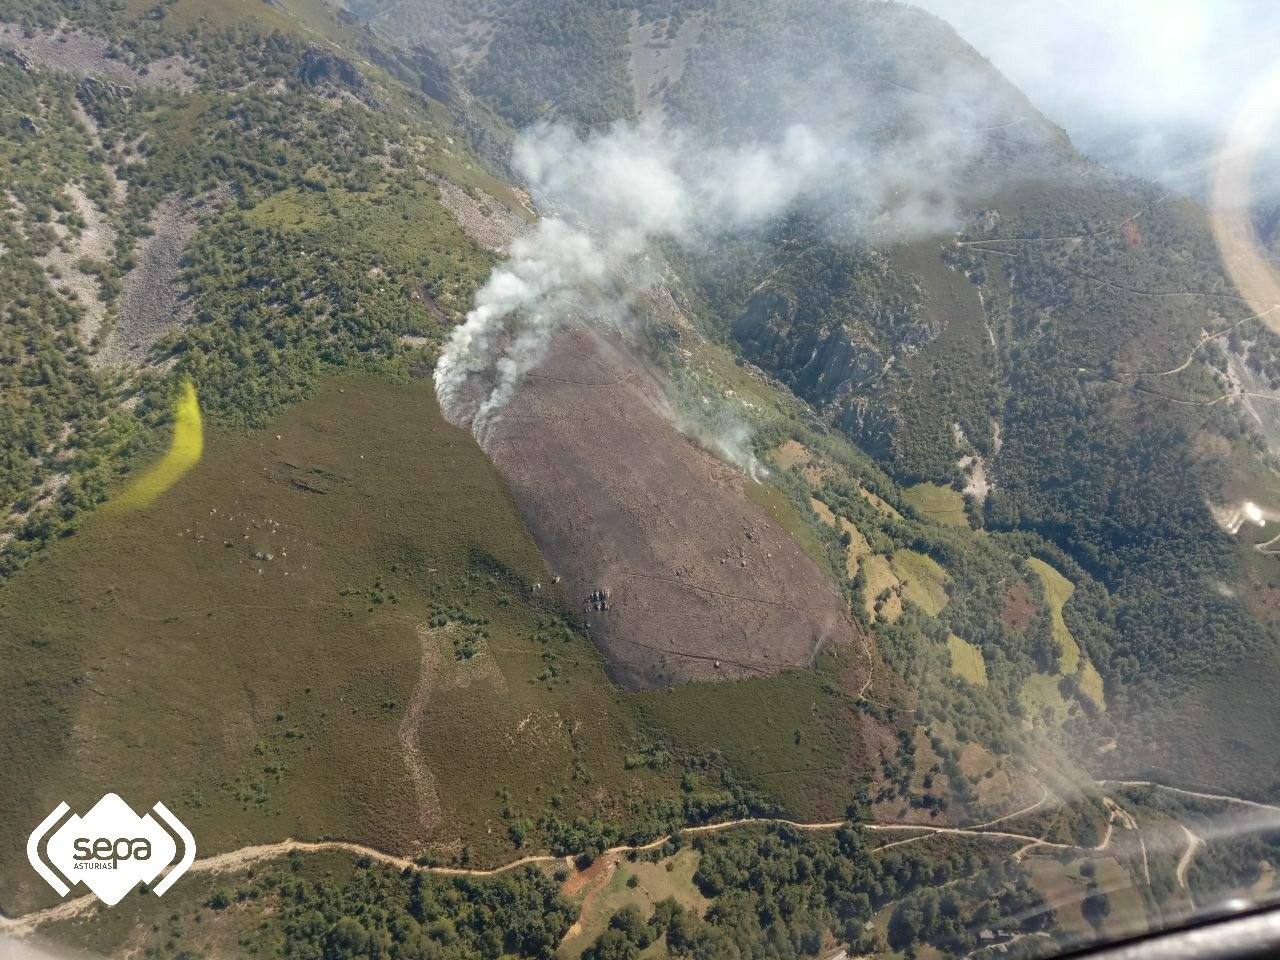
[[1018, 608], [702, 584]]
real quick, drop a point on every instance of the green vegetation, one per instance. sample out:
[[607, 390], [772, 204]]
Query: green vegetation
[[966, 660], [426, 653], [942, 504], [794, 737], [1058, 590], [66, 439], [773, 892], [335, 907], [924, 581], [785, 893], [319, 241], [286, 636], [1042, 699], [294, 642], [637, 885], [1133, 477], [581, 75], [1091, 898], [784, 513]]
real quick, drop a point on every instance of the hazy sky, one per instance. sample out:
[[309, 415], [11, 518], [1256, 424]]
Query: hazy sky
[[1144, 84]]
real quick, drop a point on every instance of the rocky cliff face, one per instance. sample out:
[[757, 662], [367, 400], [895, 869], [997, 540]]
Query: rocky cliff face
[[823, 362], [319, 68], [832, 323]]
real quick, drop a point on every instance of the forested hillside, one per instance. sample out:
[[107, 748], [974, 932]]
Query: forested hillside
[[981, 403], [226, 175]]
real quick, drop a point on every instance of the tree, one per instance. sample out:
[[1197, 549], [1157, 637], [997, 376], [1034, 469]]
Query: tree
[[346, 939]]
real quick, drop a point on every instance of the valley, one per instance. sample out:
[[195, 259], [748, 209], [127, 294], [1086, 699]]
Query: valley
[[854, 555]]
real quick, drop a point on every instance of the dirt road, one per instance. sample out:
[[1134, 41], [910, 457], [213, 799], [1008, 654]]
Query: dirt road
[[1184, 862], [1223, 797], [246, 856]]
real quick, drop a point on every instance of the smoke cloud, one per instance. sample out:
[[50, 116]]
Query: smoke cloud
[[1146, 86], [609, 196]]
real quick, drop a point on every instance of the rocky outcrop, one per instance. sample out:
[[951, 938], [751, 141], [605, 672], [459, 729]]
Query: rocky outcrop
[[420, 66], [484, 220], [435, 79], [321, 69], [820, 362], [73, 51], [153, 301]]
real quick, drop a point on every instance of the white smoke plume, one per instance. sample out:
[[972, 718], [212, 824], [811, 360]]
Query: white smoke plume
[[726, 436], [1147, 86], [1232, 519], [610, 195]]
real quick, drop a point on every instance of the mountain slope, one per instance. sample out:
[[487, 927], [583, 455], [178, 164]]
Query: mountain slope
[[1034, 328], [954, 421]]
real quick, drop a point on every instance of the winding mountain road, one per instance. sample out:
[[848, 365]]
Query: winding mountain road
[[26, 924], [238, 859]]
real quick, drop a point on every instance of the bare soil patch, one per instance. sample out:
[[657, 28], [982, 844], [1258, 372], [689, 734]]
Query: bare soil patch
[[424, 781], [701, 583], [62, 263], [1018, 608], [658, 57]]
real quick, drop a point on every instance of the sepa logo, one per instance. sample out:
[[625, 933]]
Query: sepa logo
[[110, 849]]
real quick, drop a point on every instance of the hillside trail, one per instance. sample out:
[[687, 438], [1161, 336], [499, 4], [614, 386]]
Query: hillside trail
[[234, 860], [1221, 797], [1204, 339], [1072, 238], [1194, 843], [1188, 402]]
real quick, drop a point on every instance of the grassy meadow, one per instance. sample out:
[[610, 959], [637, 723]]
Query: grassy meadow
[[245, 648], [1041, 690]]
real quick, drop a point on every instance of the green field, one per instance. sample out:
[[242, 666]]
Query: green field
[[1065, 886], [880, 577], [654, 881], [1039, 693], [785, 514], [857, 547], [796, 736], [966, 661], [942, 504], [923, 580], [1057, 591], [245, 649]]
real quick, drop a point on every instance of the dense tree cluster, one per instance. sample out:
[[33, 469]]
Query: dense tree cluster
[[377, 914], [780, 894], [320, 243]]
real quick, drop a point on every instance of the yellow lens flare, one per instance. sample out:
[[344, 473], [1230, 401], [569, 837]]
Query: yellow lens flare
[[183, 454], [1250, 131]]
